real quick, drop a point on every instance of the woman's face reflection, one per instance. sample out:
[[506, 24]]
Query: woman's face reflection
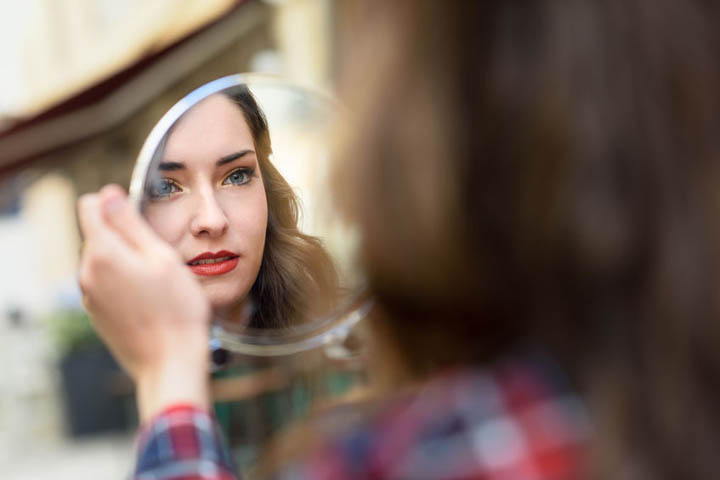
[[210, 202]]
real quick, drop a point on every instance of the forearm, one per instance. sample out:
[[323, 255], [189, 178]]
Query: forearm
[[173, 383], [179, 438]]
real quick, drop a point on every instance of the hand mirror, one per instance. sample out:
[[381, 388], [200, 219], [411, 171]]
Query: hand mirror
[[233, 177]]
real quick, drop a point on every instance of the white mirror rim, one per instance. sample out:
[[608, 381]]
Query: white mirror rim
[[324, 331]]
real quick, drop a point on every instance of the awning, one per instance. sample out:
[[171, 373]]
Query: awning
[[111, 100]]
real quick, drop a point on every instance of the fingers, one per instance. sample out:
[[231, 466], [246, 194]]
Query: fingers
[[125, 220], [93, 225], [102, 245], [88, 212]]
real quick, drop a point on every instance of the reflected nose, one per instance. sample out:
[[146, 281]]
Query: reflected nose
[[209, 218]]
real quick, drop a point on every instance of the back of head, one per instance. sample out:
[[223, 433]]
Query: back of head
[[545, 172]]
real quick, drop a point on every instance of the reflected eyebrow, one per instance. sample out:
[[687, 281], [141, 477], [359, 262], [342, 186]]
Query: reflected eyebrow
[[234, 156], [171, 166]]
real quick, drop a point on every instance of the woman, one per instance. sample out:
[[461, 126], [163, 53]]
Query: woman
[[214, 195], [528, 177]]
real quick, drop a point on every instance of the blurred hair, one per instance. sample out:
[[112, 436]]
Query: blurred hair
[[297, 277], [547, 172]]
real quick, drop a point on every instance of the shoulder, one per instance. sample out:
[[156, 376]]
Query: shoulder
[[517, 418]]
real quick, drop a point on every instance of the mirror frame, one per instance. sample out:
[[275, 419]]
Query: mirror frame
[[329, 330]]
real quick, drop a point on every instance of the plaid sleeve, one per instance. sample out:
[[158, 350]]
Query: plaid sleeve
[[183, 443], [517, 420]]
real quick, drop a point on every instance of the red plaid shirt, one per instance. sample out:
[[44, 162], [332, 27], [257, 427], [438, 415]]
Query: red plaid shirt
[[516, 421]]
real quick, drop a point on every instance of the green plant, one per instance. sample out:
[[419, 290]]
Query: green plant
[[71, 330]]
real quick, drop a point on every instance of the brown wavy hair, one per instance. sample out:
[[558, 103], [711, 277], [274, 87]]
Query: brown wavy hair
[[297, 277], [547, 172]]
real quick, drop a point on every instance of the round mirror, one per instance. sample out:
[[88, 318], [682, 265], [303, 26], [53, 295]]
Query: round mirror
[[234, 177]]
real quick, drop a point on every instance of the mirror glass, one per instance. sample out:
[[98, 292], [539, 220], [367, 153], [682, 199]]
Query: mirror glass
[[234, 177]]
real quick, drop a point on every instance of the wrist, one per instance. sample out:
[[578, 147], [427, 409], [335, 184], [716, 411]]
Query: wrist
[[173, 382]]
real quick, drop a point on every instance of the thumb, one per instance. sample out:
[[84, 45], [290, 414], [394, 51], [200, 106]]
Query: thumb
[[122, 217]]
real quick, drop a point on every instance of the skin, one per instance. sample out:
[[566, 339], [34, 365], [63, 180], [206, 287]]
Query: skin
[[211, 198], [144, 303], [150, 309]]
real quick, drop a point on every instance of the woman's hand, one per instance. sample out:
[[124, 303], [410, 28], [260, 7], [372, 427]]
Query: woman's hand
[[144, 303]]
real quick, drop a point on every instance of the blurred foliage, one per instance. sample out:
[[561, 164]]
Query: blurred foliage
[[71, 331]]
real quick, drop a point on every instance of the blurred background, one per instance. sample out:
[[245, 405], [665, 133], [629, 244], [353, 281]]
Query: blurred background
[[82, 84]]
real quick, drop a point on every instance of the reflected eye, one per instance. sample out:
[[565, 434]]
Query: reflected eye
[[240, 176], [163, 187]]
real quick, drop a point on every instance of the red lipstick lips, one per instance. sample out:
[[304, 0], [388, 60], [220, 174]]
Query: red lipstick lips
[[208, 263]]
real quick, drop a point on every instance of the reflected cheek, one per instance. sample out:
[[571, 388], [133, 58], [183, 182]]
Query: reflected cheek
[[249, 224], [246, 210], [250, 227]]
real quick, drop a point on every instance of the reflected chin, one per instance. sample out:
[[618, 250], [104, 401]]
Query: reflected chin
[[232, 314], [226, 301], [223, 300], [228, 294]]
